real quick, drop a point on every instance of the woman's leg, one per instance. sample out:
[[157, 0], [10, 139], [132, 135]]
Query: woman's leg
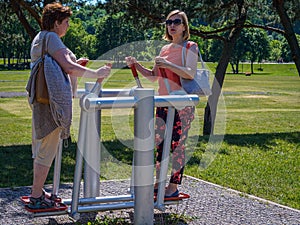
[[160, 126], [40, 174], [44, 151], [182, 124]]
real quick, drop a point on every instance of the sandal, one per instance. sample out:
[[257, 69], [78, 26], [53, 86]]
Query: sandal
[[40, 203], [52, 197], [174, 194]]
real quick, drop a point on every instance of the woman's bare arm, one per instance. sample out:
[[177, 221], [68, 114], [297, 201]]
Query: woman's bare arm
[[63, 58]]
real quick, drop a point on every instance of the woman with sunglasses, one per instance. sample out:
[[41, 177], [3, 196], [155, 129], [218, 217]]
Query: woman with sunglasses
[[169, 65]]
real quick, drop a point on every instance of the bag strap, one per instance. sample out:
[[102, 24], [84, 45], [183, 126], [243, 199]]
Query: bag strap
[[164, 76], [184, 54], [43, 45]]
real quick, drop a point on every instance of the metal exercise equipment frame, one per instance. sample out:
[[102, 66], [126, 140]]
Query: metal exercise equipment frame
[[88, 152]]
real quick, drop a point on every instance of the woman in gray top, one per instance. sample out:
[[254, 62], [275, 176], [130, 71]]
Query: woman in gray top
[[46, 132]]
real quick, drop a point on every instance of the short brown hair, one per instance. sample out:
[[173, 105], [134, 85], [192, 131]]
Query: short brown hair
[[54, 12], [186, 33]]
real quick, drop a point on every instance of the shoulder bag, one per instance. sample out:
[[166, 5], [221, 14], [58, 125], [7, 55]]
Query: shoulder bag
[[200, 84], [41, 89]]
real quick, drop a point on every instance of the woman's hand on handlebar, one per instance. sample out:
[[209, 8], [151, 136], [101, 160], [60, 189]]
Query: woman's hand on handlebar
[[82, 61], [104, 71], [130, 60]]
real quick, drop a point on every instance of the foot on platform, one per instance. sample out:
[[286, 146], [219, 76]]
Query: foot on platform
[[43, 204], [52, 197], [179, 196], [174, 194]]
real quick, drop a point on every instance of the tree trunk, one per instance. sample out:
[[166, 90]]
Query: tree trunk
[[289, 32], [211, 106], [232, 67], [16, 7]]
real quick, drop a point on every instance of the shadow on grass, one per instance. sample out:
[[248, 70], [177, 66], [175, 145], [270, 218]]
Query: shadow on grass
[[16, 165], [16, 161], [261, 140]]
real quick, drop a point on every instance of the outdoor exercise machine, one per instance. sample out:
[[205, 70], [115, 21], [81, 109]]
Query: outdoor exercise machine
[[141, 196]]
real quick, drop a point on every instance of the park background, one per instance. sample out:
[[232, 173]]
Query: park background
[[260, 151]]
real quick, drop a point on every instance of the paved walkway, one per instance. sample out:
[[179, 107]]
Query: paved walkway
[[12, 94], [209, 204]]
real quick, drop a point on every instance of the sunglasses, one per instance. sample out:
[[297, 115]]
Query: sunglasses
[[176, 22]]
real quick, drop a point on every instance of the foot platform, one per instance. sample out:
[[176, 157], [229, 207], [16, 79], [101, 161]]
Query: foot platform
[[58, 206], [181, 196]]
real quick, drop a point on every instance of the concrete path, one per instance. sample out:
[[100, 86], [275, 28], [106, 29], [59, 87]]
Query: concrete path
[[209, 204]]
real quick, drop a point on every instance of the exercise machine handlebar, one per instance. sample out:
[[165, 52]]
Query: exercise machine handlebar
[[135, 75], [93, 102]]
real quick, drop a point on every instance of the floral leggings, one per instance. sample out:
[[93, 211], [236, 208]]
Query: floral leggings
[[182, 123]]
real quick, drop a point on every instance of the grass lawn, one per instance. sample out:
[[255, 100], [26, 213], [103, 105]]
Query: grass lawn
[[256, 150]]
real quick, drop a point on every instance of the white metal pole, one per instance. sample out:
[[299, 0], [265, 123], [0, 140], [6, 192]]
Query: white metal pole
[[92, 156], [92, 150], [143, 156], [57, 168], [79, 165], [165, 159]]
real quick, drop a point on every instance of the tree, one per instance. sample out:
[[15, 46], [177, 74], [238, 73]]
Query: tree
[[123, 33], [286, 50], [20, 8], [79, 41], [24, 9], [281, 8], [228, 43], [257, 46], [14, 42], [28, 14], [239, 52], [276, 47]]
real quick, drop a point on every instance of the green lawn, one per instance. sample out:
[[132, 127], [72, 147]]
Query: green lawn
[[258, 116]]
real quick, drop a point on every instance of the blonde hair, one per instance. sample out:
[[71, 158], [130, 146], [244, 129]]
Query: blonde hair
[[186, 33]]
